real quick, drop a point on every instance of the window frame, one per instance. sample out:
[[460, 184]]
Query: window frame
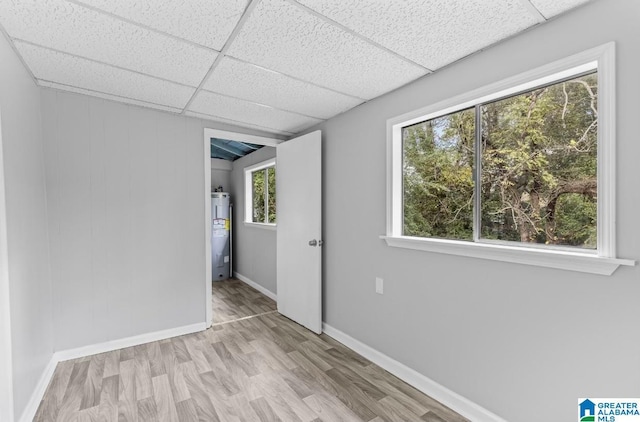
[[601, 261], [248, 194]]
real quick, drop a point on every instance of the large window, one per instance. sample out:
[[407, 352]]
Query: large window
[[260, 193], [521, 171], [534, 156]]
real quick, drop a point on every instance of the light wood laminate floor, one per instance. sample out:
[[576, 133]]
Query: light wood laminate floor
[[233, 299], [261, 368]]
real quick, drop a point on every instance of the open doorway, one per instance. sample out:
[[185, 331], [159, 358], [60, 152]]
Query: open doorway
[[239, 296]]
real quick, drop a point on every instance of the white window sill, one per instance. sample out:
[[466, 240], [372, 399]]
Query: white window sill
[[565, 260], [264, 226]]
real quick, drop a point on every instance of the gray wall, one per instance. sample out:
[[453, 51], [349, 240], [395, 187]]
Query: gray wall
[[126, 215], [254, 248], [503, 335], [221, 174], [29, 277]]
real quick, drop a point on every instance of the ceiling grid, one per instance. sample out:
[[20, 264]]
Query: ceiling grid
[[279, 66]]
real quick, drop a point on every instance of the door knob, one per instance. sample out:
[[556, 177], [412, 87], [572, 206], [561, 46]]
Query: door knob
[[313, 242]]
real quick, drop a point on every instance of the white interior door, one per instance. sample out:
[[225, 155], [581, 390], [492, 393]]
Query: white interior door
[[299, 214]]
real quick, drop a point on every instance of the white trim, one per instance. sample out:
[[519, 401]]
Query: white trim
[[38, 393], [31, 408], [601, 58], [248, 190], [263, 226], [258, 287], [6, 361], [560, 259], [454, 401], [208, 266], [111, 345]]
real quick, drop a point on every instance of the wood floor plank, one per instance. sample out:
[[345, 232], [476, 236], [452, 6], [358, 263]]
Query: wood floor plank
[[262, 367], [127, 401], [73, 395], [163, 397], [204, 406], [328, 408], [144, 386], [264, 410], [147, 410]]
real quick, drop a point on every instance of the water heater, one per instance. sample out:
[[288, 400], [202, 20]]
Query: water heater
[[220, 235]]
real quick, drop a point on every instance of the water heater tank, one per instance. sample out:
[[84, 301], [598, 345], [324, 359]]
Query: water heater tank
[[220, 235]]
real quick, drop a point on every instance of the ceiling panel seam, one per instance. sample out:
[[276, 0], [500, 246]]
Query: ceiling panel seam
[[533, 10], [53, 83], [103, 63], [15, 50], [236, 122], [245, 15], [357, 35], [296, 78], [132, 22], [263, 105]]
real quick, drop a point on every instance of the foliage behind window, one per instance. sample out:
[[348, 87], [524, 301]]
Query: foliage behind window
[[264, 195], [538, 154]]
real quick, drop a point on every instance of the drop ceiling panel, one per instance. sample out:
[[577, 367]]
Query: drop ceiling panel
[[64, 69], [281, 36], [205, 22], [253, 83], [550, 8], [74, 29], [431, 33], [244, 111]]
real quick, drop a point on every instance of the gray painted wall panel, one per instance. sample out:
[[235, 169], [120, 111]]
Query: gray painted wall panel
[[29, 273], [125, 186], [254, 249], [503, 335]]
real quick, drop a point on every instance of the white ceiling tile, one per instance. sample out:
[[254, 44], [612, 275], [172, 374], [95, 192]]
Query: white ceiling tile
[[204, 22], [550, 8], [281, 36], [431, 33], [64, 69], [74, 29], [253, 83], [245, 111]]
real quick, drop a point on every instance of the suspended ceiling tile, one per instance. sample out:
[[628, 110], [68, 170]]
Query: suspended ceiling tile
[[69, 70], [431, 33], [550, 8], [74, 29], [244, 111], [204, 22], [253, 83], [281, 36]]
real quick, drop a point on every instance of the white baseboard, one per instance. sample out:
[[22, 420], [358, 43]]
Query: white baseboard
[[32, 407], [458, 403], [30, 410], [247, 280]]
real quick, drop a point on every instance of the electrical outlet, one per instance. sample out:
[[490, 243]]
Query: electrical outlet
[[379, 285]]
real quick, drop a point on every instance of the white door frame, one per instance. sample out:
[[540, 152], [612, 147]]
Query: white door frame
[[232, 136], [6, 362]]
